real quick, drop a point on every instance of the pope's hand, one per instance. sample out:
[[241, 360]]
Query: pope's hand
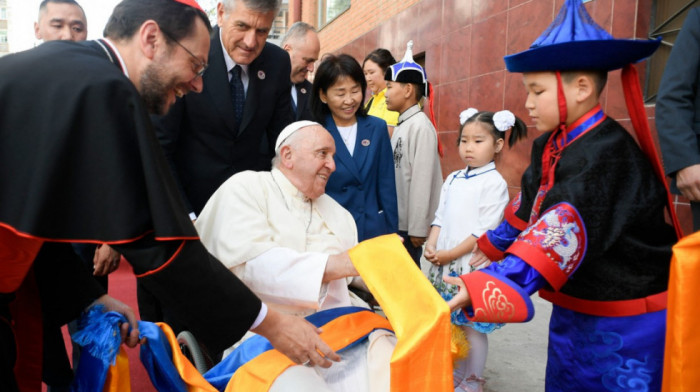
[[461, 299], [296, 338]]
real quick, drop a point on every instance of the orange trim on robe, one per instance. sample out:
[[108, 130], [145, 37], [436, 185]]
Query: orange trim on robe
[[682, 356]]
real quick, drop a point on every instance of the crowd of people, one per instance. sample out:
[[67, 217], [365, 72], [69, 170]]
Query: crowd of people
[[235, 187]]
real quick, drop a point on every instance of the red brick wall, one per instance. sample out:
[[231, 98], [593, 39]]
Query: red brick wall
[[464, 42]]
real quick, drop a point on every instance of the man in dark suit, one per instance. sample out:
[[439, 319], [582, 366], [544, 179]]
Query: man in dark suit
[[301, 42], [213, 135], [678, 113]]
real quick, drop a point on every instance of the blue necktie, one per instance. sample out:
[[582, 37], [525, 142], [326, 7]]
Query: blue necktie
[[237, 94]]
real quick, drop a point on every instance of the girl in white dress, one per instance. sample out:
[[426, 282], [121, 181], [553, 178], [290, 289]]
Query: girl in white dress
[[472, 201]]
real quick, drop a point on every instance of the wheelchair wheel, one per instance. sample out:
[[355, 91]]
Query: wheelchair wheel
[[191, 349]]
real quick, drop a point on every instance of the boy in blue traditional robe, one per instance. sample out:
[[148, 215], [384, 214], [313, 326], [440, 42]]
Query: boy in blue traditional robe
[[588, 228]]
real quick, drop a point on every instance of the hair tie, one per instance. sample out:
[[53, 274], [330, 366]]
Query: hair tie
[[503, 120], [466, 115]]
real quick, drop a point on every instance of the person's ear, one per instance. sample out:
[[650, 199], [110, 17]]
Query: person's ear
[[287, 47], [220, 13], [323, 96], [150, 37], [286, 156], [37, 31], [585, 87], [499, 144], [409, 90]]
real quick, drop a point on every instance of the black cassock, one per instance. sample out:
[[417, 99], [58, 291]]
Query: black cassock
[[79, 162]]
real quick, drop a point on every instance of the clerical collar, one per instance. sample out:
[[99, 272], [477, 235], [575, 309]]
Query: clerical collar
[[228, 60], [408, 113], [112, 50]]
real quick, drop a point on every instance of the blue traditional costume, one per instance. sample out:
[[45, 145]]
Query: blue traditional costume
[[587, 230]]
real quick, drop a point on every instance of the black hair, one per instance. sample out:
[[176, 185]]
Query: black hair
[[174, 18], [517, 131], [381, 57], [331, 69], [42, 6], [599, 77]]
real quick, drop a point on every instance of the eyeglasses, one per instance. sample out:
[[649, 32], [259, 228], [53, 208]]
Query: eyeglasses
[[202, 65]]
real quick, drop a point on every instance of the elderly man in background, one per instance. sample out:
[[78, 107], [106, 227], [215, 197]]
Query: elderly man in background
[[303, 46], [292, 249]]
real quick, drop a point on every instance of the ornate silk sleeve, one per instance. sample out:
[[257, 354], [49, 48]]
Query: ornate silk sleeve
[[554, 245]]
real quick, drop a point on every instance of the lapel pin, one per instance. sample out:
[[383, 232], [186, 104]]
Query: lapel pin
[[261, 75], [303, 90], [365, 142]]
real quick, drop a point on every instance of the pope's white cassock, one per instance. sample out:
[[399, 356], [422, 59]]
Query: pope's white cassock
[[278, 241]]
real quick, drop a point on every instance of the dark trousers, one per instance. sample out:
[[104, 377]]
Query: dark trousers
[[695, 208], [414, 251]]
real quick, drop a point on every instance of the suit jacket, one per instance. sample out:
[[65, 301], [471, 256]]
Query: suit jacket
[[199, 135], [364, 183], [304, 101], [678, 102]]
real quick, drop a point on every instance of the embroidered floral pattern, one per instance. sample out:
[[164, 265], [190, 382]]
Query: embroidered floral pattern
[[560, 233]]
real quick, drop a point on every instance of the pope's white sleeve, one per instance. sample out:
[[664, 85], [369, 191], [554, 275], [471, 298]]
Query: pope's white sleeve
[[287, 277]]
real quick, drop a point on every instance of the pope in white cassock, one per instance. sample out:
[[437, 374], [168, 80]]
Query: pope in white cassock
[[287, 240]]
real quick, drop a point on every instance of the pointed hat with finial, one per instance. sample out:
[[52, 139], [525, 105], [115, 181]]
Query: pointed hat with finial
[[575, 42], [407, 70]]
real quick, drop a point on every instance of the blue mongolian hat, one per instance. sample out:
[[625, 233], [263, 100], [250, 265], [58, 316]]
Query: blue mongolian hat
[[575, 42], [407, 71]]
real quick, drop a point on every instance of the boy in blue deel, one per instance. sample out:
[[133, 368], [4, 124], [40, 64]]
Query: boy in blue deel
[[587, 230]]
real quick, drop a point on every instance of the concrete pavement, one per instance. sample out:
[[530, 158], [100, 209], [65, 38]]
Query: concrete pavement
[[518, 353]]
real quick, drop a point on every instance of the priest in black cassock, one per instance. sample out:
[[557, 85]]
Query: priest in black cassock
[[79, 162]]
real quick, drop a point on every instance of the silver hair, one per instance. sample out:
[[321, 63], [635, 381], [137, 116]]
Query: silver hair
[[292, 141], [254, 5], [297, 31]]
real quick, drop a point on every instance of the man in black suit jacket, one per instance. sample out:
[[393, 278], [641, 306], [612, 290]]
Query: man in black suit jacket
[[301, 42], [202, 138], [678, 113]]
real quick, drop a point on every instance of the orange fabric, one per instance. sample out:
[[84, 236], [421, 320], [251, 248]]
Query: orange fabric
[[259, 373], [118, 378], [422, 360], [17, 254], [189, 374], [682, 356]]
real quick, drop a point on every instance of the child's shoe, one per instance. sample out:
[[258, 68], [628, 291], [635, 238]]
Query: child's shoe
[[471, 384]]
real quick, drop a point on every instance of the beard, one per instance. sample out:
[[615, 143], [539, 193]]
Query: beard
[[154, 90]]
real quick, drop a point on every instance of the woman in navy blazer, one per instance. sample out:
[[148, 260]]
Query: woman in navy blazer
[[363, 181]]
